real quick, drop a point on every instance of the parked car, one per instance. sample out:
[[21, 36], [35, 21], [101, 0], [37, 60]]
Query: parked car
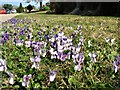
[[3, 11], [8, 11], [13, 11]]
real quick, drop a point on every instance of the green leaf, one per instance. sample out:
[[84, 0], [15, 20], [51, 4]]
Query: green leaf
[[114, 53], [113, 76], [71, 80], [37, 85], [41, 76]]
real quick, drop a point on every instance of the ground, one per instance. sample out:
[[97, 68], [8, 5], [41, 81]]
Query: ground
[[5, 17], [102, 32]]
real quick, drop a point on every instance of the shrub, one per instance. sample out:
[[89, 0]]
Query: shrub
[[46, 8], [20, 8]]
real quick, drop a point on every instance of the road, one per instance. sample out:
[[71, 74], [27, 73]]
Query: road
[[5, 17]]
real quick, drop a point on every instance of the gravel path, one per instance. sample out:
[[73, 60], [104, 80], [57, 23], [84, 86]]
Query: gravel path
[[5, 17]]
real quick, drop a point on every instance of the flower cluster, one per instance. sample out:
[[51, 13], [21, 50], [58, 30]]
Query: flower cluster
[[43, 43], [3, 67]]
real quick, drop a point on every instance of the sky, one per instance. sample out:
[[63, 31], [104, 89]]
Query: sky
[[24, 4]]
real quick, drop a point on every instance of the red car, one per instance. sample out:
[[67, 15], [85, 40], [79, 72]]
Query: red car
[[3, 11]]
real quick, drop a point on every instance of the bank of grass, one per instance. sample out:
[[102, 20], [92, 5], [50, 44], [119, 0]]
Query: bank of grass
[[92, 75], [93, 26]]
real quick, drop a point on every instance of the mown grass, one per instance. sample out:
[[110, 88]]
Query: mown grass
[[92, 25], [92, 75]]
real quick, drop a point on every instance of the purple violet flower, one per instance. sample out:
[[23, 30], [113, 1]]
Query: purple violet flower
[[6, 36], [61, 34], [73, 35], [11, 79], [89, 44], [27, 43], [78, 67], [118, 60], [36, 45], [79, 27], [35, 61], [78, 49], [43, 52], [47, 37], [56, 35], [15, 40], [116, 64], [19, 43], [107, 39], [53, 53], [26, 79], [21, 32], [115, 67], [93, 57], [39, 33], [78, 58], [29, 35], [63, 56], [52, 75], [81, 42], [3, 66]]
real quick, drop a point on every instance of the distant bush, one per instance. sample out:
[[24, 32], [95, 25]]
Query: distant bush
[[45, 8]]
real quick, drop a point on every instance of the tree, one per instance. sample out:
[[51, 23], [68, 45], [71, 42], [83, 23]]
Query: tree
[[62, 7], [34, 7], [20, 8], [87, 8], [38, 1], [29, 7], [8, 6]]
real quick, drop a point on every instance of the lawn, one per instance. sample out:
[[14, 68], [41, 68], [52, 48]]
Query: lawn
[[60, 51]]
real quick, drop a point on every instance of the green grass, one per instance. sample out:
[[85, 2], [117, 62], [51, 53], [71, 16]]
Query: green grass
[[92, 75], [93, 26]]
